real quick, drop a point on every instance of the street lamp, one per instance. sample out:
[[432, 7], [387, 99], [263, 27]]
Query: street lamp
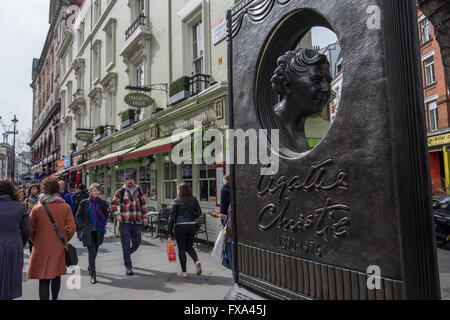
[[14, 121]]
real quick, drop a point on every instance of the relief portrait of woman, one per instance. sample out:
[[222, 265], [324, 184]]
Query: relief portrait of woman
[[303, 81]]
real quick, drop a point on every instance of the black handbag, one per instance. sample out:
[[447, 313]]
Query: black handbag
[[71, 251]]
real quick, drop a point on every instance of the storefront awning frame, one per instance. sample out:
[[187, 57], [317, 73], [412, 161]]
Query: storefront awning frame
[[110, 158], [158, 146]]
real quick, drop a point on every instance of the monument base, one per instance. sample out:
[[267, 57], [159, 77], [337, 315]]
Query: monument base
[[238, 293]]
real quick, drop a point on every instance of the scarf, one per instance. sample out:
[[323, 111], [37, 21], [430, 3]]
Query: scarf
[[96, 215], [48, 198], [33, 199]]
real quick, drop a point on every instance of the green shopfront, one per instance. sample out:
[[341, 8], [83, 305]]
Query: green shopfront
[[145, 150]]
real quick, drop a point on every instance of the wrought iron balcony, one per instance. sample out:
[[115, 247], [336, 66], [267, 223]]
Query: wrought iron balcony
[[198, 83], [139, 21]]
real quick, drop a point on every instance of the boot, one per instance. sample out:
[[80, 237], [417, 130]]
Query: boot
[[93, 278]]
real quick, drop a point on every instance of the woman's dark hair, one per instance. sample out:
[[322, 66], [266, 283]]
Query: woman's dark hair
[[292, 64], [7, 188], [49, 186], [185, 192], [31, 187]]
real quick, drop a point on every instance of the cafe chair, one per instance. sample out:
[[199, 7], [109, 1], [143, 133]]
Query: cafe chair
[[202, 229], [163, 223]]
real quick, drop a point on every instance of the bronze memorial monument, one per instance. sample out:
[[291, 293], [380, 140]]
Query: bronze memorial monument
[[348, 215]]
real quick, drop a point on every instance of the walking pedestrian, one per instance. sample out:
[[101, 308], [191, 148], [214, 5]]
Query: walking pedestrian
[[227, 260], [79, 196], [14, 232], [91, 219], [185, 210], [47, 262], [21, 195], [133, 213], [31, 202], [225, 198], [65, 194], [33, 197]]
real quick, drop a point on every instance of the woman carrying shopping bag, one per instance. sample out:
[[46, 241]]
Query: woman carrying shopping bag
[[224, 243], [185, 210]]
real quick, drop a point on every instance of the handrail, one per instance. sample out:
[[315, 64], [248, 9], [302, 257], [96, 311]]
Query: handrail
[[198, 83], [139, 21]]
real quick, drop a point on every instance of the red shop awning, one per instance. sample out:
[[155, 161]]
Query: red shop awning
[[157, 147], [110, 158]]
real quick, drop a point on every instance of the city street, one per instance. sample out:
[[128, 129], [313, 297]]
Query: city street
[[444, 270], [154, 279]]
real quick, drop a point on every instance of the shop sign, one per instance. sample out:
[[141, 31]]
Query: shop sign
[[138, 100], [219, 30], [84, 136], [439, 140], [61, 164], [67, 162], [76, 159]]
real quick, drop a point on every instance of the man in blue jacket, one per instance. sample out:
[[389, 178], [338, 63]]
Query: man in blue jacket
[[65, 194]]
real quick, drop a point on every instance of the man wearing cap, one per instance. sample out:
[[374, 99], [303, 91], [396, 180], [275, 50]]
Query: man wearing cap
[[133, 213]]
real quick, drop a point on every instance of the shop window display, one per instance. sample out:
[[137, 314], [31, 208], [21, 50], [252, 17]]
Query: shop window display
[[207, 183], [147, 181]]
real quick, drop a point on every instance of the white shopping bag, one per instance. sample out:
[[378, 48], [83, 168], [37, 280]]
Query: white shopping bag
[[219, 247]]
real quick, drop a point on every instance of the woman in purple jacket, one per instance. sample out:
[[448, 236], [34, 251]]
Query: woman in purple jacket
[[14, 232]]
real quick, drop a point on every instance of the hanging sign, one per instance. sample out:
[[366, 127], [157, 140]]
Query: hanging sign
[[138, 100], [84, 136]]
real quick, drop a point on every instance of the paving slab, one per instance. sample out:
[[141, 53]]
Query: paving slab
[[155, 278]]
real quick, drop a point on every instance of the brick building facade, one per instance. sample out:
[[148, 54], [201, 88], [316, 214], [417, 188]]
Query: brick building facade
[[437, 105]]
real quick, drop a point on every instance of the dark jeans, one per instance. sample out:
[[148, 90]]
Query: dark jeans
[[93, 250], [44, 288], [185, 234], [131, 238]]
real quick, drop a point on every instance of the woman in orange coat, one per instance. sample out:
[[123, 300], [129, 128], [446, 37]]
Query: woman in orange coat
[[47, 262]]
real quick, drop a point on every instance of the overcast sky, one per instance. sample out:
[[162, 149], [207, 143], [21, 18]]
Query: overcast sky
[[24, 26], [322, 37]]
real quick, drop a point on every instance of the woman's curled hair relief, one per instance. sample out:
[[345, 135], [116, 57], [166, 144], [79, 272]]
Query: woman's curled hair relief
[[294, 63]]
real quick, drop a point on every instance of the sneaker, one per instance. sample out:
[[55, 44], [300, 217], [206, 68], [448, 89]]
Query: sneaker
[[183, 274], [130, 272], [198, 268]]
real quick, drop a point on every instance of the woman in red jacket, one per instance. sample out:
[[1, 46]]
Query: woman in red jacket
[[47, 262]]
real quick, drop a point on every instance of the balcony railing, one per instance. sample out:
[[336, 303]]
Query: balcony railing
[[198, 83], [139, 21]]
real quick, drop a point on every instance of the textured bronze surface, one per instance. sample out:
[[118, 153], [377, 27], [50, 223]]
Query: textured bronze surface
[[324, 282], [362, 196]]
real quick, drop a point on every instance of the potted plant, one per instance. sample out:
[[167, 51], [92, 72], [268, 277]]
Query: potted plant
[[128, 118], [73, 147], [179, 90], [99, 133]]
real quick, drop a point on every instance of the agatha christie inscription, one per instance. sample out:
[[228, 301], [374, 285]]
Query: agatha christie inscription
[[331, 220]]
